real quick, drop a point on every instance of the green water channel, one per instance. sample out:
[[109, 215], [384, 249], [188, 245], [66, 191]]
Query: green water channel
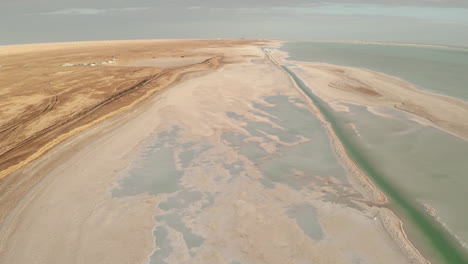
[[439, 244]]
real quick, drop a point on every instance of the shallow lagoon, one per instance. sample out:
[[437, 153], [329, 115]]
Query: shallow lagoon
[[422, 162], [309, 153], [300, 159], [438, 69], [420, 165]]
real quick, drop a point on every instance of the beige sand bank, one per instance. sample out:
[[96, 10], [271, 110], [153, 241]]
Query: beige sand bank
[[337, 84]]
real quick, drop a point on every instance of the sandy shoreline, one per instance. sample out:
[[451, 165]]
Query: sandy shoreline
[[341, 84], [392, 223], [367, 186], [198, 105]]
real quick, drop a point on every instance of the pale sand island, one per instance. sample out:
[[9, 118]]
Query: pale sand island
[[192, 151]]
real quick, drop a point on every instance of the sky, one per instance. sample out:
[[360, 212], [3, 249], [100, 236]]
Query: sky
[[415, 21]]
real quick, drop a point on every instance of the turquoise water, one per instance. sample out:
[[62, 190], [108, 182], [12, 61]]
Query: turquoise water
[[411, 163], [424, 164], [438, 69]]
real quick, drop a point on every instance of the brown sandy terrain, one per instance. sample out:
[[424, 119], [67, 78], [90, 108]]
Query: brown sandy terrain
[[44, 103], [59, 208], [43, 99]]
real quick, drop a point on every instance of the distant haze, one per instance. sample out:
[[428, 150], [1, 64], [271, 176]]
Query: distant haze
[[416, 21]]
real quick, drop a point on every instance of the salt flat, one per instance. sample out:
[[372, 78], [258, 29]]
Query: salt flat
[[229, 163]]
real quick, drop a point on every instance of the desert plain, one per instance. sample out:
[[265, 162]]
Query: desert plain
[[191, 151]]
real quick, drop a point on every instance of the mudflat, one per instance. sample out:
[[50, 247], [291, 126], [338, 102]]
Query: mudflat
[[229, 164]]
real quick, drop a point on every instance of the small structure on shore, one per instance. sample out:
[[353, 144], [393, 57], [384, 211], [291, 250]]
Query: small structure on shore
[[91, 64]]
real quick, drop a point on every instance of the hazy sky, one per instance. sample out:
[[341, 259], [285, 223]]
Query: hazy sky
[[422, 21]]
